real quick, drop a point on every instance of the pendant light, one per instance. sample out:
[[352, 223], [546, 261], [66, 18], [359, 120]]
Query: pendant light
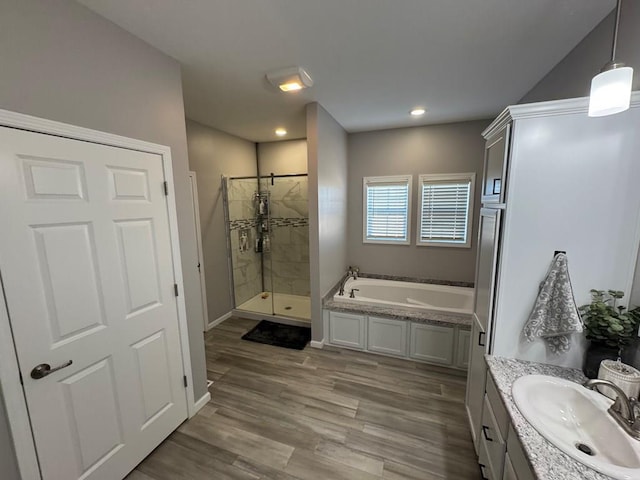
[[611, 88]]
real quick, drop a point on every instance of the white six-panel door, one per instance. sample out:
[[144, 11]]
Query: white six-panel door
[[85, 258]]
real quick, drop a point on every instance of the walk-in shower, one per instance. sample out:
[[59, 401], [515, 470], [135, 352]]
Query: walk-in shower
[[267, 223]]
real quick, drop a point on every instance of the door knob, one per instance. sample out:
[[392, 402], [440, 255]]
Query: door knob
[[44, 369]]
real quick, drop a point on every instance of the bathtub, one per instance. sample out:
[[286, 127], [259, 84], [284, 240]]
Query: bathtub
[[415, 296]]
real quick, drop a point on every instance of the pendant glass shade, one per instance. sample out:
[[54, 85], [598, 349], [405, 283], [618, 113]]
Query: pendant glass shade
[[610, 92]]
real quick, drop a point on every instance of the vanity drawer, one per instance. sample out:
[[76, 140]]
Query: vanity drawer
[[493, 440], [502, 418]]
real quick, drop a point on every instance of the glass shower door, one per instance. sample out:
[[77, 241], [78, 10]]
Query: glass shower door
[[246, 260], [268, 242], [286, 260]]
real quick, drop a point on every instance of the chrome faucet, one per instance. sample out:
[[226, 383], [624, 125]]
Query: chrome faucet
[[351, 272], [623, 409]]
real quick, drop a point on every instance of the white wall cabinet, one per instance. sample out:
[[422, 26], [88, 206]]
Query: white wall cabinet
[[347, 330], [432, 343], [476, 377], [387, 336]]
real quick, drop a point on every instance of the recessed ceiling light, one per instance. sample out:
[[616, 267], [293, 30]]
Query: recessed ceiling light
[[281, 132], [290, 79], [418, 112]]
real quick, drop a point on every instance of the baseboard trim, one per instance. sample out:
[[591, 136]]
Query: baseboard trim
[[314, 344], [202, 402], [219, 320]]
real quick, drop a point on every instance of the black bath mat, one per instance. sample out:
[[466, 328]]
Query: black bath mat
[[280, 335]]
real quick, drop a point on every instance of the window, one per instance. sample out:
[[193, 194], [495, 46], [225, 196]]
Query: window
[[387, 203], [446, 208]]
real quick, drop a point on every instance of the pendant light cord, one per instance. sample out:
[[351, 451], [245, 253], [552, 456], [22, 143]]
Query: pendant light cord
[[615, 32]]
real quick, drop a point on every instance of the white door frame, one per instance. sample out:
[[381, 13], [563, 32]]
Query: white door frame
[[196, 217], [11, 386]]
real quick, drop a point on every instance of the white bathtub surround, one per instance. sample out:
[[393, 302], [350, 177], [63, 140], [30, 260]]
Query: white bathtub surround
[[420, 321], [415, 296], [407, 311]]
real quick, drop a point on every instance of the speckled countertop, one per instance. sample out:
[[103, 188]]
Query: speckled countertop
[[399, 313], [547, 461]]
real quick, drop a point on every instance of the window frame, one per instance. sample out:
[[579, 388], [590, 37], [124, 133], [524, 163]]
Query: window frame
[[471, 177], [408, 179]]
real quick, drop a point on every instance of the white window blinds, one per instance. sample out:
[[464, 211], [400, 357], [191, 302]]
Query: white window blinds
[[446, 208], [386, 209]]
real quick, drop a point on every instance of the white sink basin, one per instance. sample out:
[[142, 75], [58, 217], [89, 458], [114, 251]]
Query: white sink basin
[[570, 416]]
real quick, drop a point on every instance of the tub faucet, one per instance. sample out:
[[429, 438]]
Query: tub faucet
[[354, 272], [352, 293], [343, 281], [622, 410]]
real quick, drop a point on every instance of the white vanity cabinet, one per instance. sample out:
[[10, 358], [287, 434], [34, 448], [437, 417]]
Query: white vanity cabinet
[[446, 345], [500, 454], [509, 470], [516, 465], [492, 440]]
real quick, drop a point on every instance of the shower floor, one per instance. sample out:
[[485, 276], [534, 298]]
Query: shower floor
[[295, 306]]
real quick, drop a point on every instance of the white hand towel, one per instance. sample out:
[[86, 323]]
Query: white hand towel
[[555, 314]]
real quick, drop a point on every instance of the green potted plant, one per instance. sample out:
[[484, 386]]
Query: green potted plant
[[609, 326]]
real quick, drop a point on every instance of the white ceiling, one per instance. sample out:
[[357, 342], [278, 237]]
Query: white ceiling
[[371, 60]]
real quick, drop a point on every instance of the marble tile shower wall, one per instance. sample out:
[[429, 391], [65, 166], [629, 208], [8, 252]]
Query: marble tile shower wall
[[286, 267], [247, 265]]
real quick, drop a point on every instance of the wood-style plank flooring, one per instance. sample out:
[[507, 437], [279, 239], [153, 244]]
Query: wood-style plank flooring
[[316, 414]]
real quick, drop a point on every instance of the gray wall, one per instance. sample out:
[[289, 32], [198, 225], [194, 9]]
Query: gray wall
[[327, 144], [211, 154], [634, 296], [62, 62], [449, 148], [572, 76], [283, 157]]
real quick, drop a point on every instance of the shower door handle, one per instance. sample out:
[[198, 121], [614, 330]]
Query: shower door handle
[[480, 339]]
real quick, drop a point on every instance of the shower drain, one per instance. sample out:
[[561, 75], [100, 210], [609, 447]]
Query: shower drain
[[585, 449]]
